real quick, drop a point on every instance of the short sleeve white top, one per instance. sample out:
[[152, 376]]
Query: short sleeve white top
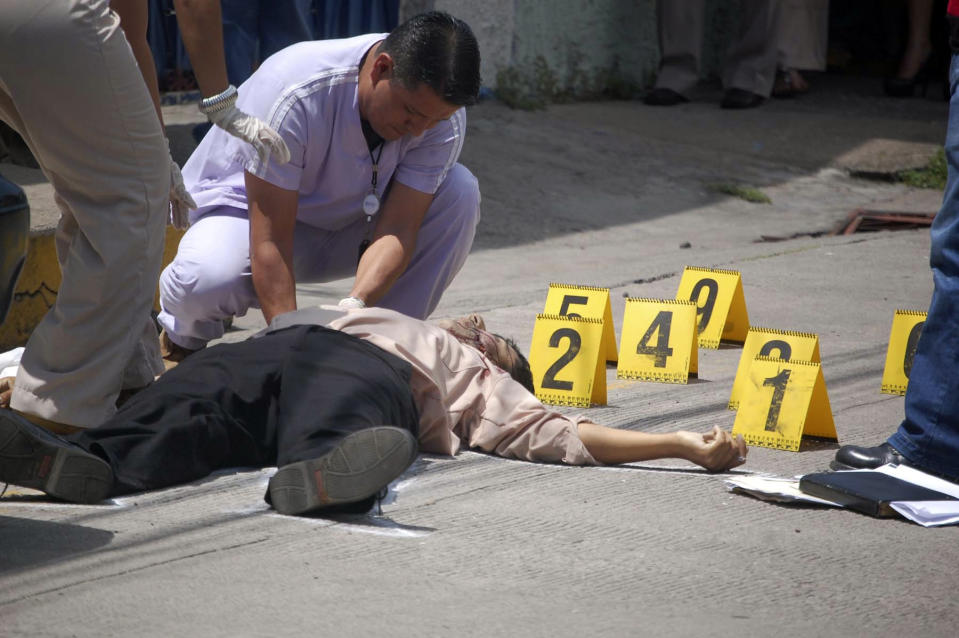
[[308, 94]]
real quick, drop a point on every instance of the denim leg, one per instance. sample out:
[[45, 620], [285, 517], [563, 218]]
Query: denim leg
[[929, 435], [240, 32], [283, 24]]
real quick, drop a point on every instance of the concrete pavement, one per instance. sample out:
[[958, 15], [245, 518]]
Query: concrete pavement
[[595, 194]]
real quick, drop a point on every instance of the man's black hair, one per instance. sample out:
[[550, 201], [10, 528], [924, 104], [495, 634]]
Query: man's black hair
[[520, 370], [440, 51]]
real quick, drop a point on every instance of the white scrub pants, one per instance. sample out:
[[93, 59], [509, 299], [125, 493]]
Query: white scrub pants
[[210, 280], [69, 84]]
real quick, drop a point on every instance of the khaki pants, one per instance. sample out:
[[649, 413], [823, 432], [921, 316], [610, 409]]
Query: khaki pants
[[70, 86], [750, 62]]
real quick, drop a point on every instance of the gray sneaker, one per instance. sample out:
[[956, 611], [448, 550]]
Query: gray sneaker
[[361, 465], [33, 457]]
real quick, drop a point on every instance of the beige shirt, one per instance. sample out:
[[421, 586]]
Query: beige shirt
[[462, 398]]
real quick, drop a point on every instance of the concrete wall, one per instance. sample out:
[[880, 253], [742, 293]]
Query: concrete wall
[[561, 49]]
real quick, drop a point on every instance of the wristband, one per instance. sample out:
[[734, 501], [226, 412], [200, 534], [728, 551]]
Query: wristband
[[219, 101]]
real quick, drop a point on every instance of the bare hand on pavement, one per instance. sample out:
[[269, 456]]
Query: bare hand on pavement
[[716, 450]]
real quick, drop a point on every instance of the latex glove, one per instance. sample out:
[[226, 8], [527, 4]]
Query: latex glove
[[250, 129], [180, 201], [351, 302]]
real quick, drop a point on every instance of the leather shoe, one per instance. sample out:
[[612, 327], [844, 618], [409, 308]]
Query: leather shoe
[[663, 97], [855, 457], [741, 99]]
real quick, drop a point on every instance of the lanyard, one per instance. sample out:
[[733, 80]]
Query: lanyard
[[371, 203]]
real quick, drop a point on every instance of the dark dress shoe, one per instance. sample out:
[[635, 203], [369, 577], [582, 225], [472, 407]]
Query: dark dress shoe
[[855, 457], [906, 87], [741, 99], [663, 97]]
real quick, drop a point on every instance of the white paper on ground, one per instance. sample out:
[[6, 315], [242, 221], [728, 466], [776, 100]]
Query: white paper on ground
[[774, 488], [926, 513], [9, 362]]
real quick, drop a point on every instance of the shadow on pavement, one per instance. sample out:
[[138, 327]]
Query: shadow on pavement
[[30, 543]]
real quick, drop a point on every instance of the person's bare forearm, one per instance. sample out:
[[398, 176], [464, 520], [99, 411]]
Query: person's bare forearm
[[394, 242], [134, 18], [715, 450], [612, 445], [382, 264], [272, 213], [272, 280], [201, 26]]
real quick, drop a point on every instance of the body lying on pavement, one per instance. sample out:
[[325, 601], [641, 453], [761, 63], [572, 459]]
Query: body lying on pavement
[[341, 401]]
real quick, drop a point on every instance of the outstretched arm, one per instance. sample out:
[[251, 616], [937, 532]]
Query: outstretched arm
[[716, 450]]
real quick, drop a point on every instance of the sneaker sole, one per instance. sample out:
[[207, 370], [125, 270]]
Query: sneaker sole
[[32, 457], [359, 467]]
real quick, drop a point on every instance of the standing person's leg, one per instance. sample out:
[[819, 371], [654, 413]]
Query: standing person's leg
[[348, 423], [914, 64], [918, 38], [680, 26], [283, 24], [750, 67], [72, 89], [802, 37], [929, 435], [240, 38]]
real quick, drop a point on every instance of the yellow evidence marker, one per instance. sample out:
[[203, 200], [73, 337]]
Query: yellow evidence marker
[[584, 301], [658, 342], [566, 362], [782, 402], [780, 344], [903, 339], [720, 304]]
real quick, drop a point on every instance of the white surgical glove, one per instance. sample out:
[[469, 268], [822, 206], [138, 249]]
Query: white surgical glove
[[180, 201], [246, 127], [351, 302]]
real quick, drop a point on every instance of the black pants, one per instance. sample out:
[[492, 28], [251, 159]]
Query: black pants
[[280, 398]]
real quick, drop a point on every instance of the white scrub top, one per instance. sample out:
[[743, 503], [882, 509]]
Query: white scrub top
[[308, 94]]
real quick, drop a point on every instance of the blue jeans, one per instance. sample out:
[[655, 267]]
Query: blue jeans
[[253, 30], [343, 18], [929, 435]]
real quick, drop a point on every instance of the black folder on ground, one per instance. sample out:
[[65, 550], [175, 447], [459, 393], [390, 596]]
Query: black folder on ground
[[867, 492]]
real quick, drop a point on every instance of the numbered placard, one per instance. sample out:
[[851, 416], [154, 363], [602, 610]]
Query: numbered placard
[[566, 362], [782, 402], [776, 344], [584, 301], [720, 304], [658, 342], [903, 339]]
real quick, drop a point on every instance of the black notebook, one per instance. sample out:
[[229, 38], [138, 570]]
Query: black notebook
[[867, 492]]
